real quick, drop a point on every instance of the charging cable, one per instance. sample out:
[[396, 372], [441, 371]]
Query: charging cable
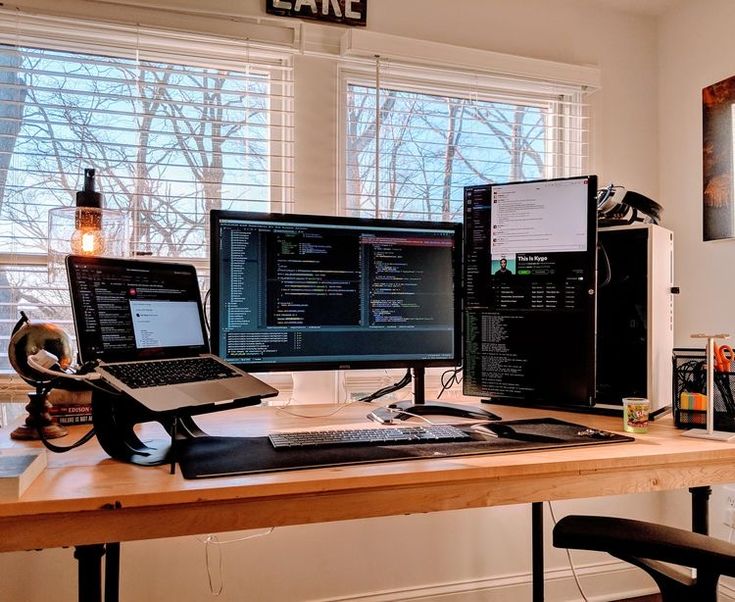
[[47, 363], [213, 558], [569, 557]]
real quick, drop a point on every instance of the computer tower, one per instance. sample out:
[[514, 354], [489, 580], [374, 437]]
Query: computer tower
[[635, 315]]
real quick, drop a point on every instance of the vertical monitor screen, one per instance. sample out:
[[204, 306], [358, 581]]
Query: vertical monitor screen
[[529, 269], [295, 292]]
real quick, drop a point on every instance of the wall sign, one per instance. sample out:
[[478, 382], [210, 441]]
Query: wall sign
[[718, 120], [346, 12]]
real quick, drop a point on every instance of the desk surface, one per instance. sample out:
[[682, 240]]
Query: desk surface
[[85, 497]]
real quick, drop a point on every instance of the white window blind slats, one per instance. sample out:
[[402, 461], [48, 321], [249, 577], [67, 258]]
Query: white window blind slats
[[404, 147], [359, 99], [125, 106], [270, 149], [104, 39], [175, 125], [242, 184], [150, 78], [244, 69], [550, 132], [412, 146]]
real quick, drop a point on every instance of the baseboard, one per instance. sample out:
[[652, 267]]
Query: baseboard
[[727, 590], [602, 582]]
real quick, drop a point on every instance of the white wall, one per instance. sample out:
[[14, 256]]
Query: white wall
[[696, 49], [456, 550]]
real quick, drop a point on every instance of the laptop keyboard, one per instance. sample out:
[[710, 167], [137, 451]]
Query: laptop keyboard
[[434, 433], [137, 375]]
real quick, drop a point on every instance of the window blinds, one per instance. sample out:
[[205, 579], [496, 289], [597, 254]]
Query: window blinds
[[415, 137], [174, 124]]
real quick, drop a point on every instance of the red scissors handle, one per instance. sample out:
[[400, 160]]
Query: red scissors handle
[[724, 357]]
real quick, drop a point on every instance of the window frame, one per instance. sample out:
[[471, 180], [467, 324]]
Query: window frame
[[99, 38], [570, 154]]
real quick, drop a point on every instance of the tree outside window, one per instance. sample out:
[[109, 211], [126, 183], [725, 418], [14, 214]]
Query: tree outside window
[[168, 141], [426, 148]]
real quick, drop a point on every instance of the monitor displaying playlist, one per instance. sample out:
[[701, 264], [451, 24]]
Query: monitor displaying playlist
[[294, 292], [529, 269]]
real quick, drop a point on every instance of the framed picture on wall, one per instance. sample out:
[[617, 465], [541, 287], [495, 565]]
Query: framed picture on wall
[[718, 122]]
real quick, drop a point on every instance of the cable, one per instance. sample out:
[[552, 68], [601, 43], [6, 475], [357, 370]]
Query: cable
[[449, 378], [606, 269], [407, 378], [211, 543], [206, 307], [569, 557], [39, 362], [408, 413], [285, 410], [47, 363], [88, 378], [58, 449]]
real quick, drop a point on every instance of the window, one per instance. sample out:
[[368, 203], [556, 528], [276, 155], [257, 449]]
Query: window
[[415, 140], [415, 136], [172, 133]]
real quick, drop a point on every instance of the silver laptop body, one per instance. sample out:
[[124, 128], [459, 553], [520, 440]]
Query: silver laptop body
[[129, 312]]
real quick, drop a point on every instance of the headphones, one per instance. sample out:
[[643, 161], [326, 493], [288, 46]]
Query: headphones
[[617, 206]]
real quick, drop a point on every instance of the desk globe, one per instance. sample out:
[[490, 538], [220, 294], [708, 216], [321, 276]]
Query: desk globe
[[29, 338]]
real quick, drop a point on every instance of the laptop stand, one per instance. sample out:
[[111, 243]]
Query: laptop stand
[[115, 416]]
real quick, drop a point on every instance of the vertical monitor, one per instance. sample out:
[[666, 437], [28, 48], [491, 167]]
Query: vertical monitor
[[297, 292], [529, 271]]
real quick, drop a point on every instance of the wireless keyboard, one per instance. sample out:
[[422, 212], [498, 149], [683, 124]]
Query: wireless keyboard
[[389, 435]]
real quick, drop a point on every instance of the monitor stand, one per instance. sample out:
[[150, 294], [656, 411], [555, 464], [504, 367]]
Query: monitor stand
[[437, 408]]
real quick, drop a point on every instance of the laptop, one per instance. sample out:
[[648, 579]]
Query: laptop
[[143, 322]]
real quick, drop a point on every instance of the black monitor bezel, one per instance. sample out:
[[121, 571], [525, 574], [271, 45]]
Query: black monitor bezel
[[591, 313], [132, 265], [456, 228]]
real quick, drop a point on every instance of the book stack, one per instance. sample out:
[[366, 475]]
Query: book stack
[[71, 407], [18, 469]]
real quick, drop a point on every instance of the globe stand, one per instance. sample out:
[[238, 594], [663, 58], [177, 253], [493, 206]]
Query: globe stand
[[39, 416]]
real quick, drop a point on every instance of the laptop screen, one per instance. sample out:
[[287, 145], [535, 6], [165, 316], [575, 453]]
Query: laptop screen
[[135, 310]]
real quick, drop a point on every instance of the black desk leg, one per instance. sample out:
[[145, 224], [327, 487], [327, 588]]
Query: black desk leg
[[112, 572], [89, 572], [537, 550], [700, 508]]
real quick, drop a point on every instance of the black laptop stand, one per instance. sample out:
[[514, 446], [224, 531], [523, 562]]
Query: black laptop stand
[[115, 417]]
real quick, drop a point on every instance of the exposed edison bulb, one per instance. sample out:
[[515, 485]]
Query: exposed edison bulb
[[87, 241], [87, 238]]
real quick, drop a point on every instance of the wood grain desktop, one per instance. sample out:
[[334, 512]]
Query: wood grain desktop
[[84, 497]]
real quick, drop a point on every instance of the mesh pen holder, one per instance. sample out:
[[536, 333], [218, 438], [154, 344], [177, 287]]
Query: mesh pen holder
[[689, 373]]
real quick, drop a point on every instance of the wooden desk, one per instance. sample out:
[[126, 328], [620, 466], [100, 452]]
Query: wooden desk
[[84, 497]]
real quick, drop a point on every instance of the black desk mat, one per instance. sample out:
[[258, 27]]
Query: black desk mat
[[201, 457]]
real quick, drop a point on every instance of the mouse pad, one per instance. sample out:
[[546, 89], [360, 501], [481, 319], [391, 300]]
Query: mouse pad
[[208, 456]]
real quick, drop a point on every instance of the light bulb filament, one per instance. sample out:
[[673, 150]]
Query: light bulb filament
[[88, 241]]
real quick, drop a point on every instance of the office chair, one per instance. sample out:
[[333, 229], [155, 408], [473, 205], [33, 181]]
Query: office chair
[[648, 546]]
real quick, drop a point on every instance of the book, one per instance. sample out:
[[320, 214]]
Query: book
[[72, 413], [70, 407], [18, 469]]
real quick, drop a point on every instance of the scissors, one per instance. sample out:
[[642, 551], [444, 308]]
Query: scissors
[[724, 356]]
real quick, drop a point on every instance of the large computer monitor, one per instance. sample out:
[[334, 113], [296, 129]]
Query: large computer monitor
[[297, 292], [529, 269]]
